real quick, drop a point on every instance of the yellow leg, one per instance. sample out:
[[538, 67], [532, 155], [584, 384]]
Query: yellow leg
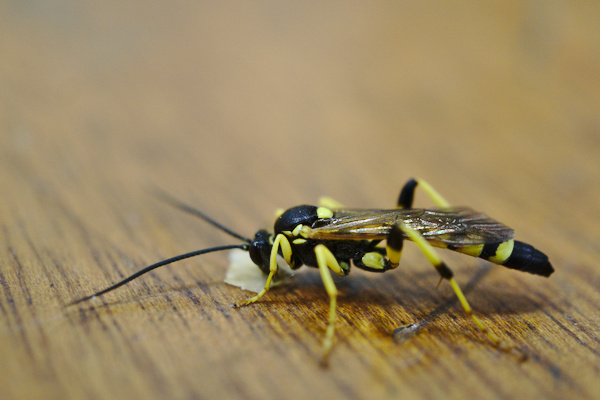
[[394, 246], [332, 204], [326, 260], [407, 194], [446, 273], [286, 249], [437, 198]]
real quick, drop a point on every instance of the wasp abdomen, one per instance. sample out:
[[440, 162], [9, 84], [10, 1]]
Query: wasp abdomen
[[524, 257]]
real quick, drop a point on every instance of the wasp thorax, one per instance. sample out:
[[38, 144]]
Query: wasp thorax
[[290, 219]]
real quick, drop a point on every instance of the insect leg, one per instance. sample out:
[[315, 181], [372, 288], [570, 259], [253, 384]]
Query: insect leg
[[328, 202], [326, 260], [407, 194], [446, 273], [286, 249], [393, 246]]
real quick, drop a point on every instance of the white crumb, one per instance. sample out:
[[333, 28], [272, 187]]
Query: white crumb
[[243, 273]]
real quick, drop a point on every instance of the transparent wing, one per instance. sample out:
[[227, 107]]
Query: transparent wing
[[458, 226]]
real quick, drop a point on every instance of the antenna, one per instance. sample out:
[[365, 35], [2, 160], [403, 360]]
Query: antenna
[[167, 198], [160, 264]]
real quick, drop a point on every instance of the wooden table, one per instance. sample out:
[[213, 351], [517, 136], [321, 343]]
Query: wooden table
[[240, 109]]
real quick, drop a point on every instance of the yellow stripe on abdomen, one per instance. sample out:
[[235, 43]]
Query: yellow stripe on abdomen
[[503, 252], [497, 253]]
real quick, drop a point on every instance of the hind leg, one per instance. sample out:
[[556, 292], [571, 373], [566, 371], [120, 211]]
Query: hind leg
[[407, 194], [446, 273]]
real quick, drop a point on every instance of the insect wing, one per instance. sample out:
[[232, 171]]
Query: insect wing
[[457, 227], [460, 227]]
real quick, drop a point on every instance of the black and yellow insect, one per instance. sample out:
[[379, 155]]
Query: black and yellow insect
[[331, 237]]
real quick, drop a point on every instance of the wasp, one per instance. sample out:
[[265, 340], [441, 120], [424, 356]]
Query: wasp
[[331, 237]]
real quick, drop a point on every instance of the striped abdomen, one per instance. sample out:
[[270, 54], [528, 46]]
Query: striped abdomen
[[512, 254]]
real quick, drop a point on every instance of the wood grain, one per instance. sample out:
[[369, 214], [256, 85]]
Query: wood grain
[[240, 109]]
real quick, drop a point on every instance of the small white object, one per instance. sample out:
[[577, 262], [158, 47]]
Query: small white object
[[243, 273]]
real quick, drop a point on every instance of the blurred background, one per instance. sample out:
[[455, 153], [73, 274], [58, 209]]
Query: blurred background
[[314, 97], [242, 107], [256, 106]]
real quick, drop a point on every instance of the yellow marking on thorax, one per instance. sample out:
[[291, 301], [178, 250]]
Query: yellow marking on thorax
[[324, 212], [305, 232], [297, 230]]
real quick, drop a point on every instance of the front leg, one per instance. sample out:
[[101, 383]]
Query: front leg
[[286, 249]]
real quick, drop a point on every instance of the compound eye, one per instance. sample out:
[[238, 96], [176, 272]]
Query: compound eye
[[255, 253], [260, 250]]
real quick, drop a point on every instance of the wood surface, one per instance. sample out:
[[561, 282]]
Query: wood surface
[[238, 109]]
